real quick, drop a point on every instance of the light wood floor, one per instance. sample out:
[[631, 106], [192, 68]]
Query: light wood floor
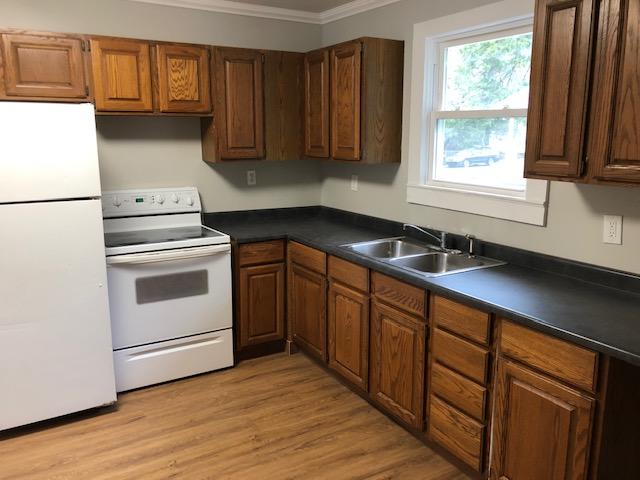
[[277, 417]]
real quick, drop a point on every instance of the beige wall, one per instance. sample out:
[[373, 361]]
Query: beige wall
[[574, 228], [150, 152], [164, 152]]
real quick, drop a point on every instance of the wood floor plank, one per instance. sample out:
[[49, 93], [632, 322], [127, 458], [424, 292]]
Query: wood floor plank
[[276, 417]]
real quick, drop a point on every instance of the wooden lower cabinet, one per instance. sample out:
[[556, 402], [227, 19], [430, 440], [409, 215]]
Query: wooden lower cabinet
[[349, 333], [397, 363], [262, 304], [307, 310], [542, 428]]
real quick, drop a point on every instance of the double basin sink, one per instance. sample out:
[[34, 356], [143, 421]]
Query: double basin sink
[[425, 259]]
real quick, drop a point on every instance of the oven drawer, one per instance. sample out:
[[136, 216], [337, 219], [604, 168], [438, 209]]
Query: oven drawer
[[141, 366], [160, 296]]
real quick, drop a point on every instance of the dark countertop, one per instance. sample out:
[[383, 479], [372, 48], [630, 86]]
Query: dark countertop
[[602, 318]]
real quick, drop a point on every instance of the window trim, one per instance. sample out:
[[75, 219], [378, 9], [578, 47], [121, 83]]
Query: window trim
[[429, 37]]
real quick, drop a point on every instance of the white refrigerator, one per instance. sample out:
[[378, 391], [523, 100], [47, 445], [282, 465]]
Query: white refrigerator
[[55, 334]]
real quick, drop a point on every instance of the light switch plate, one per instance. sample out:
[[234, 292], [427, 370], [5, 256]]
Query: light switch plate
[[612, 229]]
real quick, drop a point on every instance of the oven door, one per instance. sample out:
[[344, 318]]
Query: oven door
[[170, 294]]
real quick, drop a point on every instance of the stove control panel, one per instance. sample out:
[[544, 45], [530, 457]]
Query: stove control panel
[[159, 201]]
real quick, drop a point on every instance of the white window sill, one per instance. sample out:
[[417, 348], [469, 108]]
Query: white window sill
[[531, 211]]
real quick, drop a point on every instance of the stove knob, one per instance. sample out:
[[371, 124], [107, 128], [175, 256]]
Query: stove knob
[[190, 201], [160, 199], [175, 198], [116, 201]]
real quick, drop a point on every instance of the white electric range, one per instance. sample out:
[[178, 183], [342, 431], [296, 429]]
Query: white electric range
[[169, 287]]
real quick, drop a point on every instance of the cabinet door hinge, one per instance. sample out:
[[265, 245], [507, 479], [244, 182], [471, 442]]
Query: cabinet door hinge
[[86, 90], [262, 55], [86, 46]]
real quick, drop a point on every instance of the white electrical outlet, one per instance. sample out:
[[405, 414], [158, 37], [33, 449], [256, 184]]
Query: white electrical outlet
[[251, 177], [612, 229], [354, 183]]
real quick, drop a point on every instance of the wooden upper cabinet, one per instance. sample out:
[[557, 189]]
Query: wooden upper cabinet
[[183, 78], [283, 98], [121, 75], [43, 66], [614, 147], [239, 108], [560, 67], [345, 101], [542, 429], [316, 104]]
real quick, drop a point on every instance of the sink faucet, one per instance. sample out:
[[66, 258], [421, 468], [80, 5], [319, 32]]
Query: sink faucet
[[442, 240]]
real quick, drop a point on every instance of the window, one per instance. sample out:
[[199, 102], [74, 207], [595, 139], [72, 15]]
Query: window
[[468, 125]]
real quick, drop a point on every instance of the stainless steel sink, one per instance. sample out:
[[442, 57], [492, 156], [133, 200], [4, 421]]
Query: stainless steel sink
[[389, 248], [425, 259], [435, 264]]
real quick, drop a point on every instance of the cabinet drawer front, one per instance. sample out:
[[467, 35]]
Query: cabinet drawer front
[[460, 355], [461, 435], [349, 273], [308, 257], [263, 252], [568, 362], [462, 320], [399, 294], [459, 391]]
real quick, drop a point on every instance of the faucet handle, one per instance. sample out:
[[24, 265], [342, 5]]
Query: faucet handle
[[472, 241]]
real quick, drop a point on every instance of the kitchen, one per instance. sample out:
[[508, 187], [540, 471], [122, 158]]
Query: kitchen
[[422, 360]]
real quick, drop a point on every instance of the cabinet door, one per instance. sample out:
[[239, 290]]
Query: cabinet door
[[345, 101], [397, 363], [614, 147], [559, 81], [307, 304], [43, 66], [542, 428], [316, 104], [121, 75], [183, 79], [239, 108], [349, 334], [261, 304]]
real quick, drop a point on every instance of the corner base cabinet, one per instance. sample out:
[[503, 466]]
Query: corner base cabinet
[[307, 306]]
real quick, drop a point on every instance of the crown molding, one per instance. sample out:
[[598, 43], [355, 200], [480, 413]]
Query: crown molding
[[241, 8]]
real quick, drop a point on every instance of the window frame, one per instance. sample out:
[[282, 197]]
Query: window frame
[[430, 40]]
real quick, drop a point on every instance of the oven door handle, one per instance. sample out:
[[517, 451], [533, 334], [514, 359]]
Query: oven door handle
[[182, 254]]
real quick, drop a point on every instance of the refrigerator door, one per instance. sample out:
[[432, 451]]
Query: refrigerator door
[[48, 151], [55, 334]]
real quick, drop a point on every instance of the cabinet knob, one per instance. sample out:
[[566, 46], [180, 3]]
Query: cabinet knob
[[503, 477]]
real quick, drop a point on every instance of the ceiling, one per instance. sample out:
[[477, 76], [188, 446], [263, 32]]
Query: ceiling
[[313, 6], [307, 11]]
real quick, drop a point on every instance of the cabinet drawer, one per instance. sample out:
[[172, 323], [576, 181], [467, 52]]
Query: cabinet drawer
[[399, 294], [461, 435], [262, 252], [349, 273], [459, 391], [566, 361], [460, 355], [308, 257], [465, 321]]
